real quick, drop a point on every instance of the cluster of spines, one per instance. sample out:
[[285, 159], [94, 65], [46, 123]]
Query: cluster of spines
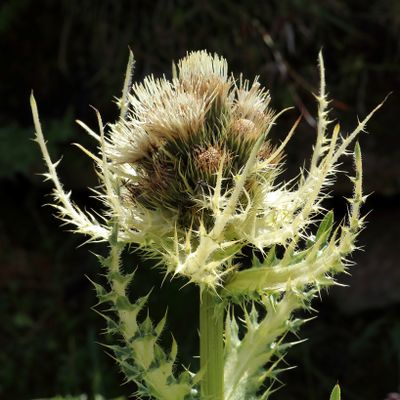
[[140, 357], [253, 357], [282, 285]]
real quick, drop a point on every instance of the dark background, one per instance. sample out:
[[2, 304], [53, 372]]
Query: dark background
[[73, 54]]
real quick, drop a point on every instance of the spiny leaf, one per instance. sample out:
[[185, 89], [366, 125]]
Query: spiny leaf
[[123, 304], [100, 290], [123, 279]]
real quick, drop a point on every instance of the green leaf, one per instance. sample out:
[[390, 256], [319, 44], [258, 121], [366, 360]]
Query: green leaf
[[325, 227], [335, 395]]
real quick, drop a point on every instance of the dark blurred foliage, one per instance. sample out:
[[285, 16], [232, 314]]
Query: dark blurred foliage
[[73, 54]]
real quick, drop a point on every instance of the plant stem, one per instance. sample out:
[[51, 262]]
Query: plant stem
[[211, 346]]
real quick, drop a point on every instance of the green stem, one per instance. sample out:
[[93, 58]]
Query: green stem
[[211, 346]]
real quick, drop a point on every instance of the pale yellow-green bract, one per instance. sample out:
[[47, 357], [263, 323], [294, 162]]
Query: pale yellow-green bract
[[190, 175]]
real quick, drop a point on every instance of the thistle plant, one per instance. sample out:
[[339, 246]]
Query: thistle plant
[[189, 175]]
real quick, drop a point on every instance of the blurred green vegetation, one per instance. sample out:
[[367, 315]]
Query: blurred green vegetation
[[72, 54]]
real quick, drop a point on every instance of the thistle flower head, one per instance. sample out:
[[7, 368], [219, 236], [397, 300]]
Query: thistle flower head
[[181, 136], [189, 172]]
